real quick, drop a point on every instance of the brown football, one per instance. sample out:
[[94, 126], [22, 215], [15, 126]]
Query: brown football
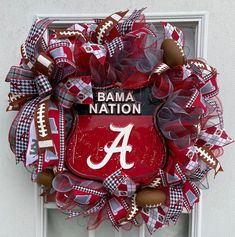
[[45, 178], [173, 54], [150, 197]]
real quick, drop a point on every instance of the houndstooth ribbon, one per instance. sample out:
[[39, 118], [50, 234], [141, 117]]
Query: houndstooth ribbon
[[119, 184], [25, 85], [32, 43], [182, 191], [176, 204], [127, 25], [115, 44], [22, 129], [23, 82]]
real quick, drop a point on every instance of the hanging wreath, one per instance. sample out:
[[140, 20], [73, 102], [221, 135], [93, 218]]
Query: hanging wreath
[[115, 122]]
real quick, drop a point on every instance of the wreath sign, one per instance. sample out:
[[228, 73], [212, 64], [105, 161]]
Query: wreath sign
[[115, 123]]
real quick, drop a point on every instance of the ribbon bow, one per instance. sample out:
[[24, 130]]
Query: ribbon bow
[[31, 86], [92, 196]]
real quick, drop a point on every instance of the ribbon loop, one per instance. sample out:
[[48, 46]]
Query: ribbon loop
[[23, 82], [33, 40], [119, 184], [75, 90], [176, 204], [93, 196], [43, 85], [61, 52]]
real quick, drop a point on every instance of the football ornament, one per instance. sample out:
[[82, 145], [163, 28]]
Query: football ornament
[[173, 54], [45, 178], [150, 198], [115, 123]]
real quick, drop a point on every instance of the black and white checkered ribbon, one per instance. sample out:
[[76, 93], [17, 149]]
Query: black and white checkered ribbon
[[199, 174], [115, 44], [34, 38], [22, 129], [176, 204], [96, 208], [181, 173], [126, 26], [43, 85], [112, 182], [62, 139], [23, 82]]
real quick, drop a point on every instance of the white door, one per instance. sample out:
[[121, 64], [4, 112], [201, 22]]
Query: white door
[[23, 213]]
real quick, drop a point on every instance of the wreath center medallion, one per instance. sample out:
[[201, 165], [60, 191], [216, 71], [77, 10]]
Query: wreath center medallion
[[117, 131]]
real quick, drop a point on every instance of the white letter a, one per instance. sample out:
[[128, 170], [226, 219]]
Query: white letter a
[[123, 133]]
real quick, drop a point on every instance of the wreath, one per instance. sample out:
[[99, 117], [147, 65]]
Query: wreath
[[115, 122]]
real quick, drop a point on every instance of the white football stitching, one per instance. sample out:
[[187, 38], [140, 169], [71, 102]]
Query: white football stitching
[[180, 48], [161, 68], [206, 156], [102, 30], [153, 205], [13, 98], [24, 55], [40, 120], [199, 64], [203, 65], [23, 51], [134, 209], [70, 33], [155, 183]]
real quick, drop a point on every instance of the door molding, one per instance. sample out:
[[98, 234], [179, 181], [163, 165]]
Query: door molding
[[199, 20]]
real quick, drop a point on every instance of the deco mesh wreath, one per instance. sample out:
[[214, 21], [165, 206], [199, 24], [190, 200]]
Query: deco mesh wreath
[[115, 123]]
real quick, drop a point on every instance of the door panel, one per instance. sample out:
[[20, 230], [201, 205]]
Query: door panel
[[57, 226]]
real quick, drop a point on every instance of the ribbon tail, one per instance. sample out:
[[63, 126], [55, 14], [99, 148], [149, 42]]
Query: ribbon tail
[[176, 204], [218, 169], [154, 218], [42, 125]]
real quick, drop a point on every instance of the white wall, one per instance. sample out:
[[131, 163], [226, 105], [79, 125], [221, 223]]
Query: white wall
[[17, 191]]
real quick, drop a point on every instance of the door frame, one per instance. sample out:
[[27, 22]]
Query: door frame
[[197, 19]]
